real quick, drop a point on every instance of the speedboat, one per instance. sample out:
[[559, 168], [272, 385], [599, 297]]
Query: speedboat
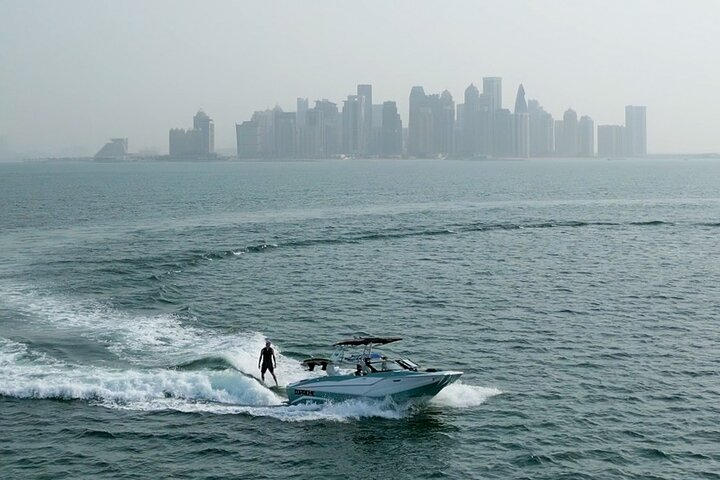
[[371, 375]]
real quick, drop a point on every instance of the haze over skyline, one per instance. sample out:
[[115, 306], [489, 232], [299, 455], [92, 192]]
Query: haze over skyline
[[77, 73]]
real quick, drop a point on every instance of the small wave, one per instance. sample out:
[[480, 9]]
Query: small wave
[[650, 223], [336, 412], [653, 453], [90, 433], [399, 233], [462, 395], [176, 262], [206, 363]]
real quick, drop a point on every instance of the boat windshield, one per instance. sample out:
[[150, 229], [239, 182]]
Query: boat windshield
[[387, 365]]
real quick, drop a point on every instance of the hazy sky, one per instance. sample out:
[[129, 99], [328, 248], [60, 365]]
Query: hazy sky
[[74, 73]]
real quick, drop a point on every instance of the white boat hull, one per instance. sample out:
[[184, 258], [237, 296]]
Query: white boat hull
[[399, 386]]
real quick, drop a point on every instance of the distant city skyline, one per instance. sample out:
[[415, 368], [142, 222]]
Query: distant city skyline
[[436, 127], [95, 70]]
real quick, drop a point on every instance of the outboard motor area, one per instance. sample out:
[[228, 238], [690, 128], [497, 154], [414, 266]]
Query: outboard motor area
[[311, 363]]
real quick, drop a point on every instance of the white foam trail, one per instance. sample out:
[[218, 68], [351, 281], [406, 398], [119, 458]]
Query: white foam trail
[[161, 339], [461, 395], [10, 352], [337, 412], [23, 376]]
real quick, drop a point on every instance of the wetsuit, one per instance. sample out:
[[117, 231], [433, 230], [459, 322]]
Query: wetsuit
[[267, 360]]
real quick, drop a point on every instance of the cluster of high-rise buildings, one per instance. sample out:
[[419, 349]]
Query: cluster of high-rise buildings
[[628, 140], [196, 142], [357, 128], [436, 128]]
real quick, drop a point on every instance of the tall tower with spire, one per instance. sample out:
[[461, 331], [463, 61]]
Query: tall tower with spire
[[520, 102], [521, 125]]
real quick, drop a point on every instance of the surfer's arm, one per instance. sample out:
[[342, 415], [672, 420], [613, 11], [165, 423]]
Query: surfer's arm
[[260, 359], [274, 361]]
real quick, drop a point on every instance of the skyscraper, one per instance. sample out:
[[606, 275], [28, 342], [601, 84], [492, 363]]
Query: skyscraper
[[365, 92], [570, 133], [586, 137], [492, 89], [391, 133], [559, 138], [488, 122], [246, 135], [521, 130], [331, 127], [312, 134], [205, 126], [610, 140], [285, 133], [443, 122], [352, 125], [300, 124], [377, 124], [503, 133], [520, 102], [419, 124], [470, 113], [265, 132], [635, 131], [196, 142], [185, 143], [541, 130], [302, 108]]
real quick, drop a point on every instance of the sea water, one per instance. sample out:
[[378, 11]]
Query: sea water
[[580, 298]]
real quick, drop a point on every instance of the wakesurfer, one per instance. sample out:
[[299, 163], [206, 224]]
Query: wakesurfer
[[267, 360]]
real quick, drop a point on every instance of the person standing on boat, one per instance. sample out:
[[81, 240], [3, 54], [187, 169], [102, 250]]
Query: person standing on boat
[[267, 360]]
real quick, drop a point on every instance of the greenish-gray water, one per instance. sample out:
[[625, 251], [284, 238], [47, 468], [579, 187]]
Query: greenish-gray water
[[580, 298]]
